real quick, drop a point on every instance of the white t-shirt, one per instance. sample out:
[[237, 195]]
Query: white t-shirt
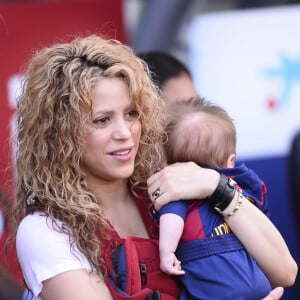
[[43, 252]]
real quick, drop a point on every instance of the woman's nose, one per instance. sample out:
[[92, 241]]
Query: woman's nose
[[122, 130]]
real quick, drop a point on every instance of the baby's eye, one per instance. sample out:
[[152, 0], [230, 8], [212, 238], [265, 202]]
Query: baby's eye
[[133, 113]]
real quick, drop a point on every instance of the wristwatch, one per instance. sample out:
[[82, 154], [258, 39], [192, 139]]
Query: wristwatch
[[223, 194]]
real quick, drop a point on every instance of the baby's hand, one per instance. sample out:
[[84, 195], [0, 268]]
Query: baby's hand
[[171, 265]]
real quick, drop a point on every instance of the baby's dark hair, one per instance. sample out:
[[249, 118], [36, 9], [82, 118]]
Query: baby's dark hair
[[200, 131]]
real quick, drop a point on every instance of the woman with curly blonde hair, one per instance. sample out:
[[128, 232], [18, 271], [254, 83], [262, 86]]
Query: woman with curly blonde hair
[[89, 135]]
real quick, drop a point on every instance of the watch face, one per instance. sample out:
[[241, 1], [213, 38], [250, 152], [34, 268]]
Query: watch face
[[231, 183], [1, 223]]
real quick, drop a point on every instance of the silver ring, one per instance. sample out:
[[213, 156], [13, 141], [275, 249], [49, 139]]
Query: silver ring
[[157, 193]]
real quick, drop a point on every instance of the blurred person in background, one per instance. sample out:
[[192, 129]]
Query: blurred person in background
[[10, 288], [171, 75]]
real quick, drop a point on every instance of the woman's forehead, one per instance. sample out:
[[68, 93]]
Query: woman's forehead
[[111, 93]]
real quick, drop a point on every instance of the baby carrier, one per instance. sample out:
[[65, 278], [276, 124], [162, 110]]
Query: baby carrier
[[134, 272]]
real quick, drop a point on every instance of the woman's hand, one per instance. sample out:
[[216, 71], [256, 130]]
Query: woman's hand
[[181, 181], [275, 294], [254, 230]]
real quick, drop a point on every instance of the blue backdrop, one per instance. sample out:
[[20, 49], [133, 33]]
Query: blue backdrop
[[275, 172]]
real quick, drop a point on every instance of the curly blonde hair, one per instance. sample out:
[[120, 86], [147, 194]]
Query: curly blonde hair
[[52, 116]]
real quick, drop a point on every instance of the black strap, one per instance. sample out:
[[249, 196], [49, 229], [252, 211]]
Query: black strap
[[154, 296]]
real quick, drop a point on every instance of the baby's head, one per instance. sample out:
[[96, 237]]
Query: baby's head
[[200, 131]]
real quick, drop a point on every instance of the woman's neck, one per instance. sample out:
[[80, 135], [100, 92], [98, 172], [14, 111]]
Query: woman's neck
[[119, 207], [110, 193]]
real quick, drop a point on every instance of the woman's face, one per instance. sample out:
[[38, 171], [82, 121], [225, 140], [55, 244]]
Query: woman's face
[[112, 143]]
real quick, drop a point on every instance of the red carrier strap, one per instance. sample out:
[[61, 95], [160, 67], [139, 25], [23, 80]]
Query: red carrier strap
[[135, 272]]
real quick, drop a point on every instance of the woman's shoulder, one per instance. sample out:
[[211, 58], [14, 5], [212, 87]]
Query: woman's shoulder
[[39, 237], [33, 219], [38, 226], [39, 233], [36, 234], [44, 250]]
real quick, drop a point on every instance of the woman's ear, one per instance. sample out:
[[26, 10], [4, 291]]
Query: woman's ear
[[230, 163]]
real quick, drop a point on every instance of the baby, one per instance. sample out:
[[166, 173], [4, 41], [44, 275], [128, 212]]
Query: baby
[[204, 133]]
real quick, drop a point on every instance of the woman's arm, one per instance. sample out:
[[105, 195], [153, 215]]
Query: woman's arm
[[250, 225], [264, 242], [75, 285], [52, 267]]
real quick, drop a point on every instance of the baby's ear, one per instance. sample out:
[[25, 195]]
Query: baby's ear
[[230, 163]]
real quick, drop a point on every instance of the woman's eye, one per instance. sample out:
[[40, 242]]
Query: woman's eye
[[133, 113], [101, 121]]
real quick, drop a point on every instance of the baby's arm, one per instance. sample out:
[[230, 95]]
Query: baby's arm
[[170, 231]]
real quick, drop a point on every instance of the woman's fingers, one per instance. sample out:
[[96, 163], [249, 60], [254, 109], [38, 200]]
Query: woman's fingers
[[275, 294], [181, 181]]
